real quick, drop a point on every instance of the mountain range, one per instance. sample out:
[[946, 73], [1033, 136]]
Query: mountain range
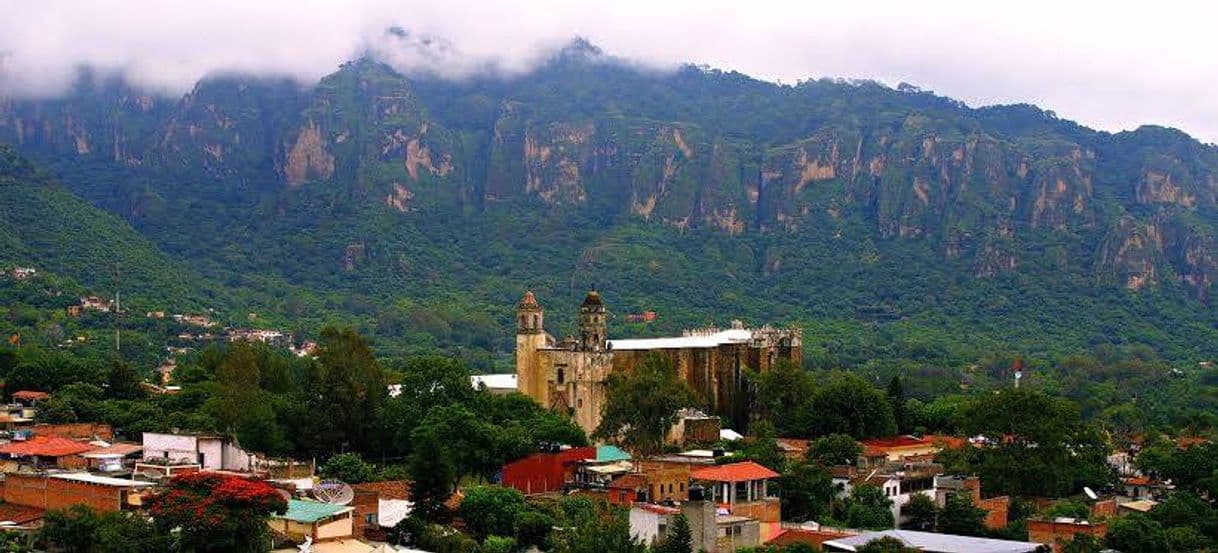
[[886, 221]]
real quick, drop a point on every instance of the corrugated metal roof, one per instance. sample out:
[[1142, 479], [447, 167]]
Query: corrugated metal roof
[[936, 543], [710, 340], [311, 511], [102, 480]]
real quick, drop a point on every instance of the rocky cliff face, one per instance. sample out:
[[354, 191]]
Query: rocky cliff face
[[990, 188]]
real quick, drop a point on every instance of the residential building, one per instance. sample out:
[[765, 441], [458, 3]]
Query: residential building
[[314, 520], [649, 522], [546, 472], [23, 273], [812, 535], [714, 532], [572, 374], [898, 449], [793, 449], [209, 452], [997, 508], [899, 482], [666, 481], [929, 542], [1060, 531], [741, 488], [60, 491], [42, 452]]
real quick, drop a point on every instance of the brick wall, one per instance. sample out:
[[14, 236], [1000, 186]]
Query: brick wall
[[1104, 509], [766, 510], [997, 511], [75, 431], [53, 493], [1057, 534]]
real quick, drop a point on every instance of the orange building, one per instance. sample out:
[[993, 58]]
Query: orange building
[[60, 491]]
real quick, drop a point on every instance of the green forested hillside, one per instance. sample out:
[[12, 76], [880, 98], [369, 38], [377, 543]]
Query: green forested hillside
[[900, 228]]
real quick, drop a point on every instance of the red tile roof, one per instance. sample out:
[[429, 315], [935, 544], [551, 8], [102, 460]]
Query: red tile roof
[[733, 472], [43, 446], [1137, 481], [658, 509], [30, 395]]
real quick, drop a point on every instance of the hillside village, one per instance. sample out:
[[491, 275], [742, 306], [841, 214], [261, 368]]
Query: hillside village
[[708, 477]]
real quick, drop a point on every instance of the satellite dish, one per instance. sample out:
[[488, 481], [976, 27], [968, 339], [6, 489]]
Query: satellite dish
[[333, 491], [1090, 493]]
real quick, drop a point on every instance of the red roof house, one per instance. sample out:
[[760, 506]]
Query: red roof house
[[733, 472], [44, 451], [741, 488], [30, 395]]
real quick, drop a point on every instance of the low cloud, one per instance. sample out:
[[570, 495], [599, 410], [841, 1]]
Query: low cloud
[[1112, 65]]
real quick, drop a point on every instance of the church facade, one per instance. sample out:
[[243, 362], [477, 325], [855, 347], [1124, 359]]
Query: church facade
[[571, 374]]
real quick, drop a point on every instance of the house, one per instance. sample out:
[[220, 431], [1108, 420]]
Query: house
[[899, 482], [1060, 531], [929, 542], [24, 273], [94, 303], [59, 491], [898, 449], [75, 310], [742, 488], [649, 522], [314, 520], [715, 532], [627, 489], [209, 452], [1140, 506], [273, 338], [379, 506], [546, 472], [75, 430], [116, 457], [666, 481], [997, 508], [42, 452], [30, 398]]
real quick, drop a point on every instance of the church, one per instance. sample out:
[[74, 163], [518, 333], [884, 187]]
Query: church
[[572, 374]]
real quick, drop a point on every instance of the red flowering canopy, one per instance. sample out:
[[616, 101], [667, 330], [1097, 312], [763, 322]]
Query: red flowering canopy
[[215, 511]]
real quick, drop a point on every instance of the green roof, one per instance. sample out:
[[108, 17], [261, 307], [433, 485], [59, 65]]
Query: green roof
[[611, 453], [311, 511]]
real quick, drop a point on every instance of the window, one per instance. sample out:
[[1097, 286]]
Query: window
[[370, 519], [562, 376], [682, 484]]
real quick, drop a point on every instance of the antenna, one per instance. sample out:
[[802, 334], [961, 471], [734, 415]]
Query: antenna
[[336, 492]]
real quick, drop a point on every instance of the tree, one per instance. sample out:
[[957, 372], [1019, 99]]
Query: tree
[[348, 392], [533, 529], [123, 382], [491, 510], [348, 467], [1182, 539], [680, 539], [921, 513], [868, 507], [641, 406], [782, 396], [1068, 508], [834, 449], [594, 527], [215, 513], [762, 448], [498, 544], [1083, 543], [847, 404], [961, 517], [886, 544], [1136, 532], [433, 475], [807, 491], [896, 398]]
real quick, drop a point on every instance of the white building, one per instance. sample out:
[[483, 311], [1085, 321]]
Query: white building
[[208, 451]]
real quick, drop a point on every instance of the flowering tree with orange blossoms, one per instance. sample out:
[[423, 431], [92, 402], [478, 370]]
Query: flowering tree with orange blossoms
[[217, 513]]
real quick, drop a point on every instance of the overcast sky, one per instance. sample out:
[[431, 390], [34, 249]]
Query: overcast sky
[[1112, 65]]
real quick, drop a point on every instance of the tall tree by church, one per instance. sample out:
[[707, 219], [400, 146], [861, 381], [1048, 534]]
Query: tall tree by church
[[642, 406], [349, 389]]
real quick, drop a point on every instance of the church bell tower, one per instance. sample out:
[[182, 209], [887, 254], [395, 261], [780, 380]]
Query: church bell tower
[[530, 337], [593, 333]]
